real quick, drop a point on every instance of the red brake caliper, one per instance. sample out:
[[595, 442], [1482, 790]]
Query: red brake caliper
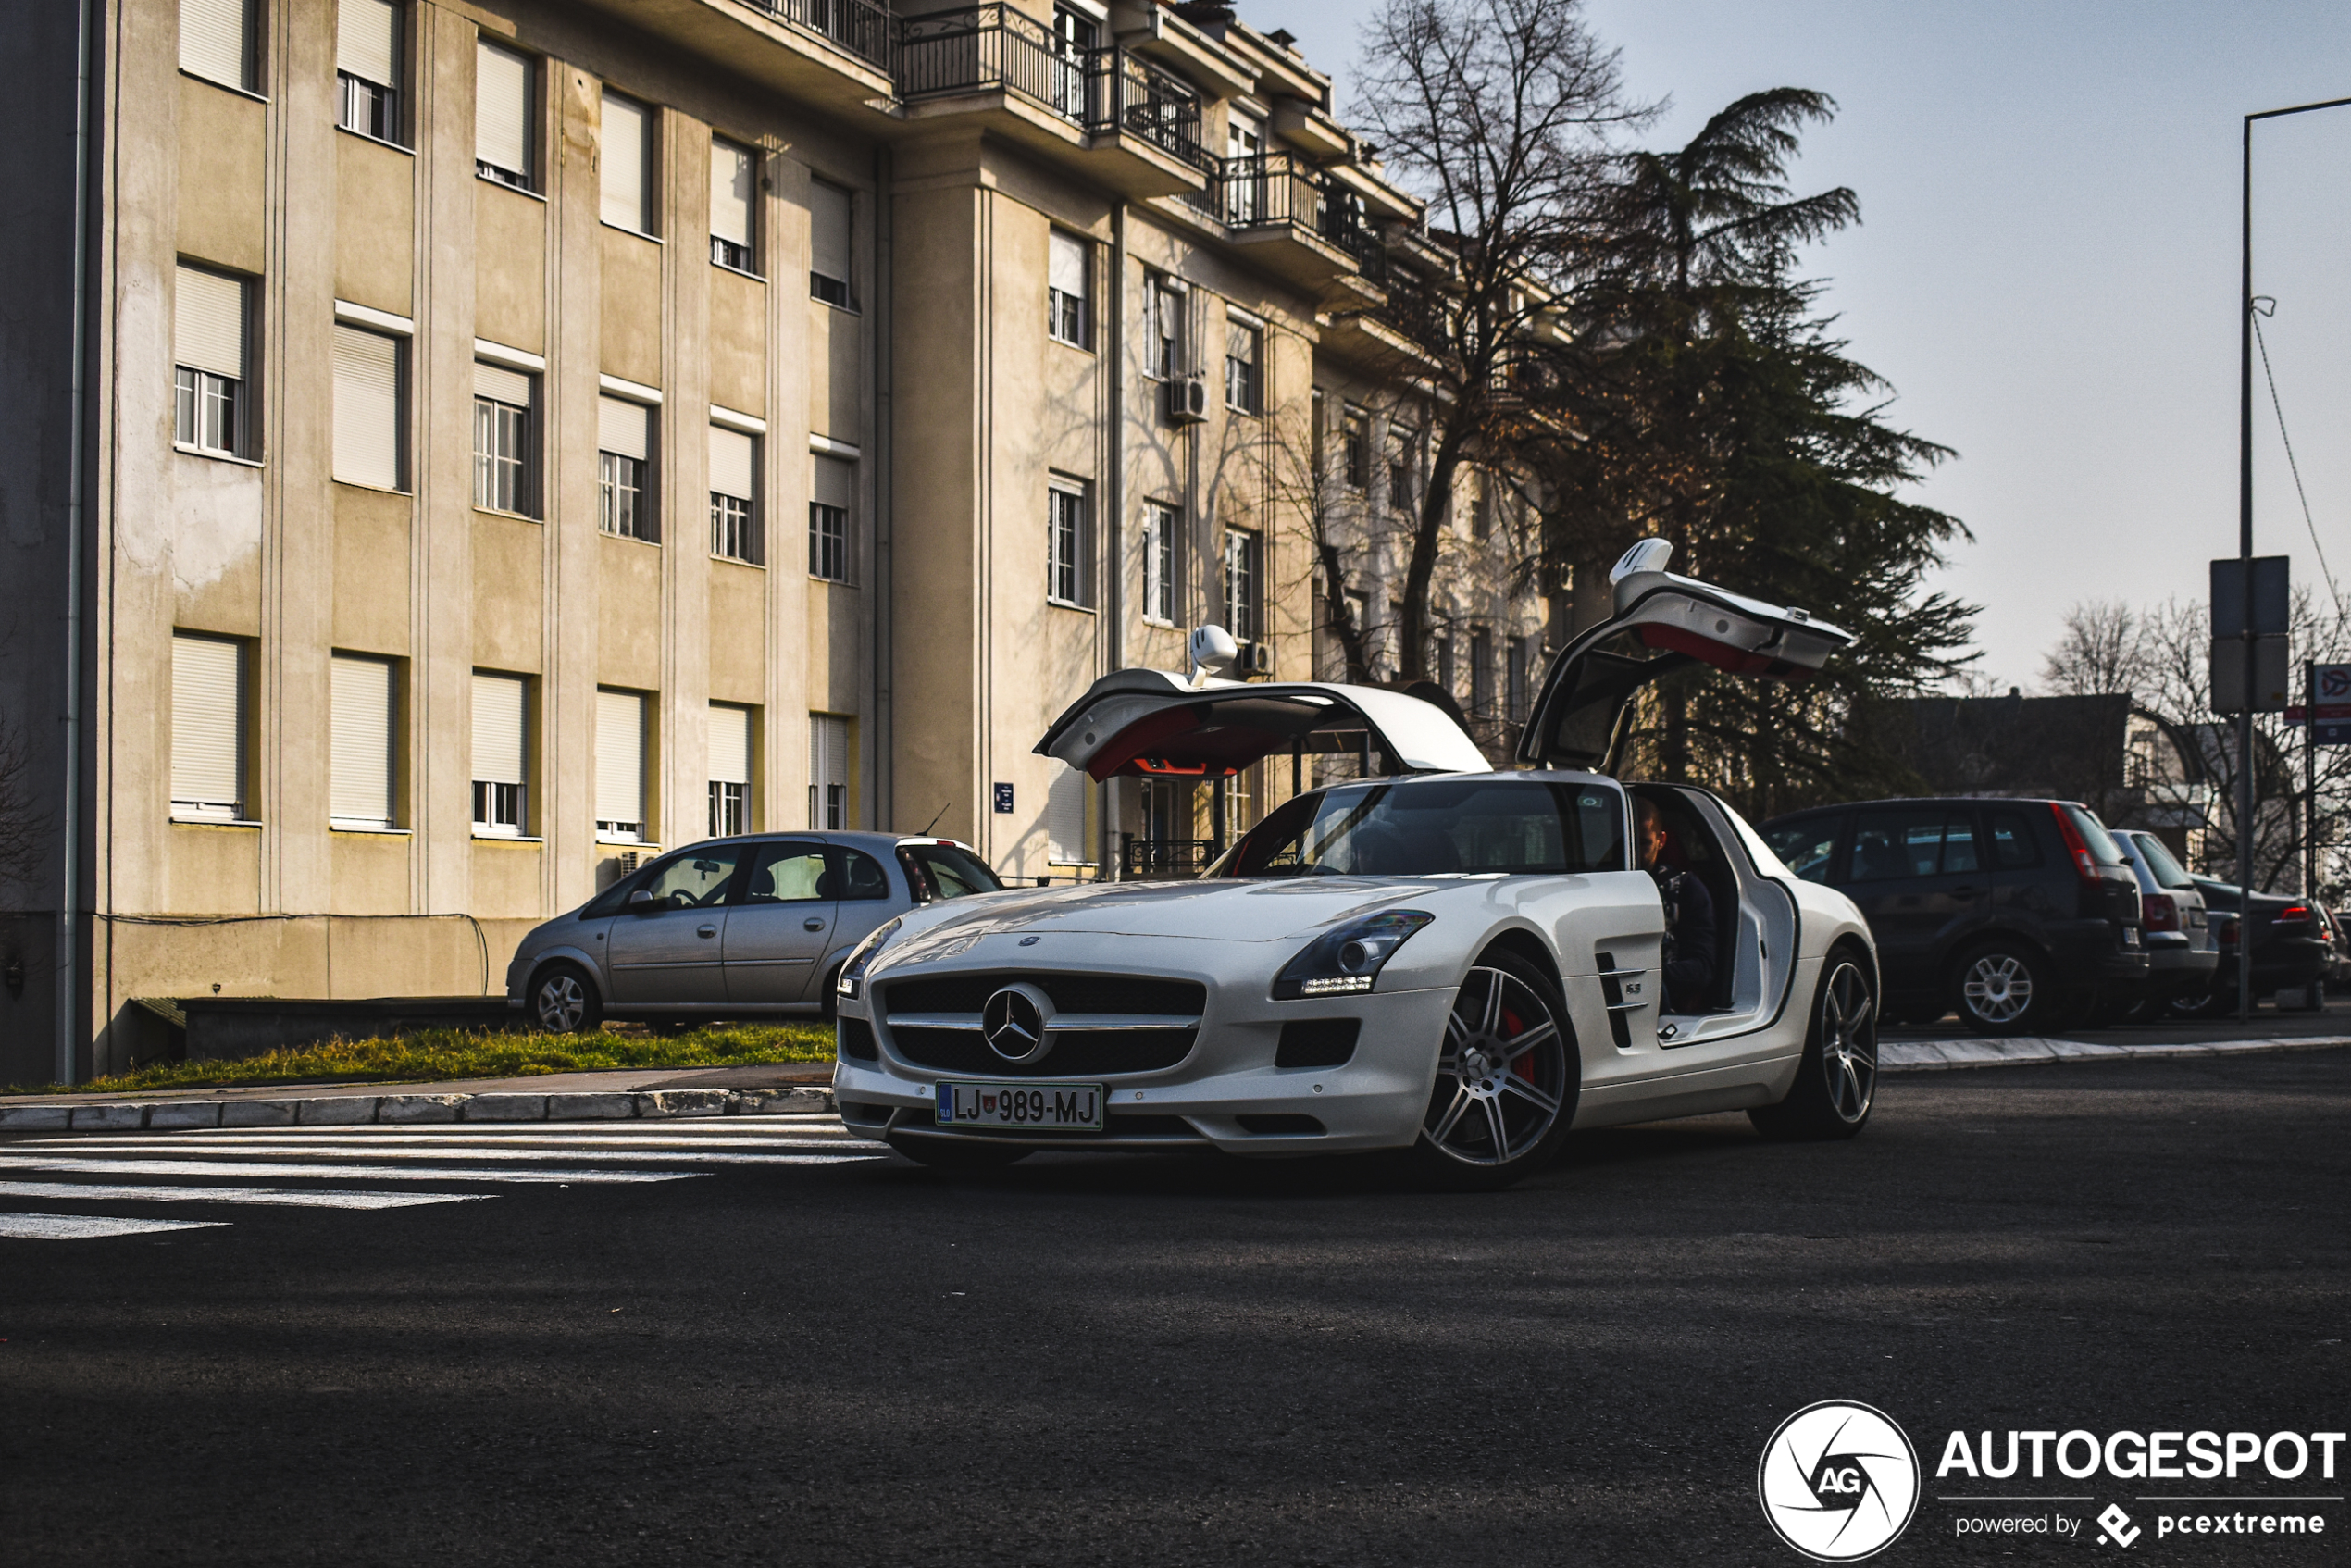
[[1524, 1065]]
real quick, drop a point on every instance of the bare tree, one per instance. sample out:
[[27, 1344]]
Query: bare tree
[[2104, 649]]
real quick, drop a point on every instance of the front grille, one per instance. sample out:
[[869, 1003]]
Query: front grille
[[1071, 993], [1279, 1124], [1076, 1052]]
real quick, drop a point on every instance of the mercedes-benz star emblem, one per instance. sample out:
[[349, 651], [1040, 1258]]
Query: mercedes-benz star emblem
[[1014, 1022]]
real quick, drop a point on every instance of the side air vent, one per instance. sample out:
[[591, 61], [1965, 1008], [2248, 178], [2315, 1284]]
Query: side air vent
[[1275, 1126], [854, 1041]]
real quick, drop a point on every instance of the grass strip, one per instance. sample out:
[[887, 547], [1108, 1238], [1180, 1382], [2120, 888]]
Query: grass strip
[[442, 1055]]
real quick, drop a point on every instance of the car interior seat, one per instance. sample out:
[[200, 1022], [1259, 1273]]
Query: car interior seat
[[1691, 847]]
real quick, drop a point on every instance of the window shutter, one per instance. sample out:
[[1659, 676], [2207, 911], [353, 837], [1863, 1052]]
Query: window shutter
[[367, 407], [367, 40], [213, 36], [501, 385], [729, 744], [621, 756], [627, 138], [731, 185], [208, 322], [1065, 817], [360, 742], [499, 713], [835, 482], [1066, 267], [208, 724], [829, 230], [501, 108], [623, 428], [733, 460]]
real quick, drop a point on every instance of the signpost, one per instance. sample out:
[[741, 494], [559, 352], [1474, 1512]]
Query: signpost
[[2252, 601]]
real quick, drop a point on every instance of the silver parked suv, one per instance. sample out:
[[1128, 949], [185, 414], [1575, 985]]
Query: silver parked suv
[[746, 927], [2182, 952]]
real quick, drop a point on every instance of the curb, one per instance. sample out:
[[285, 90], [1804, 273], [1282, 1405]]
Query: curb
[[353, 1110], [1941, 1056]]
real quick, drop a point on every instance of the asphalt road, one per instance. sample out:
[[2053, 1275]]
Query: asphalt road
[[1092, 1360]]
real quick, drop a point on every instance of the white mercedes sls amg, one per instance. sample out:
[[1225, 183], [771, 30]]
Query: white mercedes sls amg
[[1435, 957]]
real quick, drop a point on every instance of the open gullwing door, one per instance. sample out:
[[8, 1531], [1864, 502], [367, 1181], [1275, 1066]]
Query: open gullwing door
[[1155, 724], [1662, 623]]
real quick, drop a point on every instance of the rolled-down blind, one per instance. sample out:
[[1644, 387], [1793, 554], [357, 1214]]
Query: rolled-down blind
[[829, 230], [731, 185], [624, 428], [360, 742], [499, 710], [1067, 267], [621, 756], [208, 322], [497, 382], [207, 723], [627, 125], [729, 744], [1065, 817], [367, 40], [367, 407], [212, 40], [501, 108], [733, 460], [835, 482]]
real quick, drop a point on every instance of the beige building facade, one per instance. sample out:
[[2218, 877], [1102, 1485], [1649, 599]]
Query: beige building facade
[[499, 443]]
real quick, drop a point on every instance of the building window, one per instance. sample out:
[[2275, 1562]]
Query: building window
[[501, 439], [734, 188], [210, 344], [369, 419], [505, 120], [1359, 610], [1163, 331], [502, 713], [1525, 653], [1444, 662], [1069, 545], [207, 729], [734, 495], [830, 210], [367, 58], [362, 743], [625, 468], [1242, 564], [1244, 174], [1482, 510], [215, 42], [1076, 37], [1356, 439], [730, 760], [620, 766], [628, 163], [1400, 442], [831, 486], [827, 772], [1071, 265], [1244, 387], [1159, 562], [1481, 673]]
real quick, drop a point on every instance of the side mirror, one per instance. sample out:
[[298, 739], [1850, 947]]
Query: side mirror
[[641, 901]]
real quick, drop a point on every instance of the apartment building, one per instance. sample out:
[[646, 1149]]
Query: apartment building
[[469, 447]]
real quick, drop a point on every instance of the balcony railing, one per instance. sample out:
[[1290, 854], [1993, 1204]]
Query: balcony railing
[[997, 47], [859, 27], [1274, 190], [1145, 859]]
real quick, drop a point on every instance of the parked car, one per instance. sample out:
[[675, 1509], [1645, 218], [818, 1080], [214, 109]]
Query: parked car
[[2338, 951], [2182, 949], [1457, 962], [2022, 914], [745, 928], [2290, 950]]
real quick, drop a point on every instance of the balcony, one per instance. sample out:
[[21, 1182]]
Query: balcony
[[857, 27], [1138, 126], [1287, 216], [1160, 860]]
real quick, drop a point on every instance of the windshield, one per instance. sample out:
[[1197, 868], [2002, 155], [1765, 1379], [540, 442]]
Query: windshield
[[2167, 871], [945, 871], [1444, 827], [1804, 847]]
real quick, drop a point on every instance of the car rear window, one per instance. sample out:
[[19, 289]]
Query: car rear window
[[2013, 846], [2167, 872], [2100, 844], [946, 871]]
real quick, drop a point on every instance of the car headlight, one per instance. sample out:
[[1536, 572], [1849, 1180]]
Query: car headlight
[[852, 983], [1344, 961]]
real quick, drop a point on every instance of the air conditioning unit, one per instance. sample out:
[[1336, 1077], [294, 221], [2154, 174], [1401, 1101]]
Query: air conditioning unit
[[1186, 399], [1253, 658]]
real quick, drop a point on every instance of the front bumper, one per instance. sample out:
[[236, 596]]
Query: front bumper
[[1375, 1100]]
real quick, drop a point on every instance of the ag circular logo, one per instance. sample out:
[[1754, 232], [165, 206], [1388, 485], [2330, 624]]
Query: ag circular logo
[[1014, 1022], [1840, 1481]]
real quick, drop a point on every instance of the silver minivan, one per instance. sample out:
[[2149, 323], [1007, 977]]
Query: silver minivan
[[754, 927], [2183, 949]]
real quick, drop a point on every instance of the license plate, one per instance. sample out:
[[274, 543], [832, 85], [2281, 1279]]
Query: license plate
[[2129, 936], [1056, 1107]]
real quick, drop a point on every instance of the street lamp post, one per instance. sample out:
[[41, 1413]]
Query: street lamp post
[[2245, 556]]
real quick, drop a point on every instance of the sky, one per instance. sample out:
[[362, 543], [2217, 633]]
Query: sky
[[2046, 266]]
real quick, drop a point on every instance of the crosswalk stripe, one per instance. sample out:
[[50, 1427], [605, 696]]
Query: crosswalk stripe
[[340, 1148], [11, 1191], [336, 1137], [349, 1173], [84, 1227]]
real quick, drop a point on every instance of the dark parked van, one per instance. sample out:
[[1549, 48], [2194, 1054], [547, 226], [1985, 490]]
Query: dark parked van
[[2023, 914]]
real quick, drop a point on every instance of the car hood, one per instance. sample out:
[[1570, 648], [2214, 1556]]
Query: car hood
[[1219, 910]]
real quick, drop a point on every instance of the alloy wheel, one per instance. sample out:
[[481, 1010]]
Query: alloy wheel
[[1997, 988], [1848, 1042], [1502, 1077], [562, 1002]]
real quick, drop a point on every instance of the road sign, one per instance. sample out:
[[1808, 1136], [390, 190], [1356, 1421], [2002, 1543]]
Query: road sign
[[2272, 607], [2273, 596], [2331, 704], [2272, 683]]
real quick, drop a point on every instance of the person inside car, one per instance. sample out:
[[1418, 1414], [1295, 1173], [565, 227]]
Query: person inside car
[[1689, 915]]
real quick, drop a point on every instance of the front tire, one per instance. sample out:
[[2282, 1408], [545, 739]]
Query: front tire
[[956, 1154], [564, 1000], [1836, 1081], [1507, 1079]]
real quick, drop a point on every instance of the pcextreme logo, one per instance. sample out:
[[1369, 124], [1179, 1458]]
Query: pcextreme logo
[[1838, 1481]]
